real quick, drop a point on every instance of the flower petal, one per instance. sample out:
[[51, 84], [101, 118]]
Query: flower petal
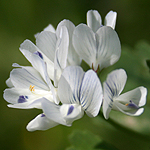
[[91, 93], [62, 47], [84, 42], [70, 81], [107, 106], [108, 47], [138, 96], [24, 77], [40, 66], [40, 122], [61, 54], [94, 20], [11, 95], [131, 112], [52, 111], [71, 112], [46, 42], [73, 57], [9, 83], [110, 19], [116, 81], [29, 50], [50, 28], [113, 86]]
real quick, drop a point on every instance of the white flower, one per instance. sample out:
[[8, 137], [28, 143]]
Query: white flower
[[55, 48], [94, 20], [78, 92], [129, 103], [54, 115], [28, 84], [51, 49], [81, 88], [98, 50]]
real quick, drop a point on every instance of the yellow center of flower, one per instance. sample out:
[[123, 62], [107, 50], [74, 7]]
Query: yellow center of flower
[[31, 88]]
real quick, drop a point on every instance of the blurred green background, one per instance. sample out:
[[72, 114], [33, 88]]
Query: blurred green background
[[21, 19]]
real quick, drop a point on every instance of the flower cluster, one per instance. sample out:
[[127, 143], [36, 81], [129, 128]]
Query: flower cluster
[[57, 84]]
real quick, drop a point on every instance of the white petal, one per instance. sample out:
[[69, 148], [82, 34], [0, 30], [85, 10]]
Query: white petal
[[138, 96], [106, 107], [91, 93], [110, 19], [36, 62], [24, 77], [61, 54], [113, 86], [131, 112], [52, 111], [41, 122], [12, 95], [62, 47], [40, 66], [28, 45], [9, 83], [50, 28], [108, 47], [71, 112], [65, 93], [29, 49], [94, 20], [71, 79], [46, 42], [115, 82], [73, 57], [84, 42]]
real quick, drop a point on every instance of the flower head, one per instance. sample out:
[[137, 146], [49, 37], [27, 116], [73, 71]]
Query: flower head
[[98, 50], [78, 91], [129, 103]]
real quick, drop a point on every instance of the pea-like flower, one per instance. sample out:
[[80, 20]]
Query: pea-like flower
[[78, 91], [128, 103], [28, 84]]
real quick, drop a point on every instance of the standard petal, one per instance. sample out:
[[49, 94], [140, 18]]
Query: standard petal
[[71, 78], [110, 19], [108, 47], [46, 42], [84, 42], [91, 93], [94, 20], [65, 93], [138, 96], [40, 122], [73, 57], [115, 83]]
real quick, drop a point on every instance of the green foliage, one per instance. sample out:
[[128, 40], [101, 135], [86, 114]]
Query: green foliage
[[82, 140], [86, 140]]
